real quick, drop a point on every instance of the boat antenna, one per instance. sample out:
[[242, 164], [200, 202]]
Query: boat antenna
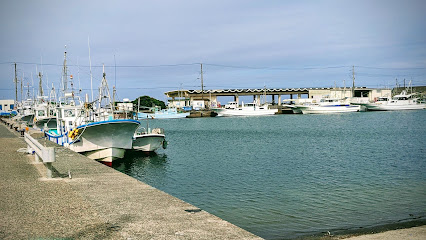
[[114, 91], [115, 72], [32, 85], [78, 75], [90, 66], [64, 77]]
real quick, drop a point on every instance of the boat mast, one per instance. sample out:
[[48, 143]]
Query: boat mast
[[114, 90], [104, 92], [40, 84], [90, 64], [344, 88], [64, 79], [52, 99]]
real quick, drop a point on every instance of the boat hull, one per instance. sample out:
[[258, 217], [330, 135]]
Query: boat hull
[[237, 112], [28, 119], [162, 115], [330, 109], [148, 142], [50, 121], [103, 141], [394, 107], [106, 155]]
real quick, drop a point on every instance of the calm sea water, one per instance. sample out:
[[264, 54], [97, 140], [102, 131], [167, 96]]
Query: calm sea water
[[288, 176]]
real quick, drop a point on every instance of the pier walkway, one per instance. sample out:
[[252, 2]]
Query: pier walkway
[[97, 202]]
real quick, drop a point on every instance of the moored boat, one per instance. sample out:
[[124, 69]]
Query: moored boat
[[401, 101], [328, 105], [92, 131], [249, 109], [149, 141], [44, 114], [168, 113]]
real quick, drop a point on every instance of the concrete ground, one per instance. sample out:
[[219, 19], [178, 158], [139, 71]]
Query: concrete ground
[[98, 202]]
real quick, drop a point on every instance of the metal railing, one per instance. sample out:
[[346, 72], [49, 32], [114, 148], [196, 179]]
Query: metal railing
[[46, 154]]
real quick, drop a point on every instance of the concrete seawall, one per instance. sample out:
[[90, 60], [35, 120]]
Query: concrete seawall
[[97, 202]]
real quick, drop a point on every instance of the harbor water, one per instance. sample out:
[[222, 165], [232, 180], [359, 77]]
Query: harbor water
[[292, 176]]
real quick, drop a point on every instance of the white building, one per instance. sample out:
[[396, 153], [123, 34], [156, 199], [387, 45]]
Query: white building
[[7, 105]]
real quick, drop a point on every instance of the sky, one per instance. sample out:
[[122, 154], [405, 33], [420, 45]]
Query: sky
[[150, 47]]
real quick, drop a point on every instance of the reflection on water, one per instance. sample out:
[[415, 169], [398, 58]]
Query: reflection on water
[[143, 165]]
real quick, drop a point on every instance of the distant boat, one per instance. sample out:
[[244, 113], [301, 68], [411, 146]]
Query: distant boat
[[249, 109], [328, 105], [401, 101], [25, 112], [8, 113], [148, 141], [163, 114]]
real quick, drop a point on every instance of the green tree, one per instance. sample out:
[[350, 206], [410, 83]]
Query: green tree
[[148, 102]]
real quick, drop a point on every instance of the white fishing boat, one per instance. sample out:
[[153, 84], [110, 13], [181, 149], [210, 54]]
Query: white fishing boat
[[44, 114], [45, 109], [328, 105], [92, 131], [25, 112], [147, 140], [401, 101], [249, 109], [168, 113]]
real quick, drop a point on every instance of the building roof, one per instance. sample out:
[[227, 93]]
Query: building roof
[[254, 90]]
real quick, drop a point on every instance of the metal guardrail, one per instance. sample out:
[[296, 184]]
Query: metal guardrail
[[46, 154]]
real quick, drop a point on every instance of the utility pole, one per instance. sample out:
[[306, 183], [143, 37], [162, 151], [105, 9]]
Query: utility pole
[[16, 87], [202, 84], [353, 81]]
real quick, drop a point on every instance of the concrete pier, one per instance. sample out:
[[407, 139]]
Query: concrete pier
[[88, 200]]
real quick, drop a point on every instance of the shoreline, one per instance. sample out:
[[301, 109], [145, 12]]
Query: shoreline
[[401, 230], [412, 233]]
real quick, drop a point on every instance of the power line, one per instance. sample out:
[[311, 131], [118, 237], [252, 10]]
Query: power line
[[224, 66], [388, 68]]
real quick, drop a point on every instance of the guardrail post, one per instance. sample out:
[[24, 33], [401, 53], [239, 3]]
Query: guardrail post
[[48, 169], [45, 154]]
